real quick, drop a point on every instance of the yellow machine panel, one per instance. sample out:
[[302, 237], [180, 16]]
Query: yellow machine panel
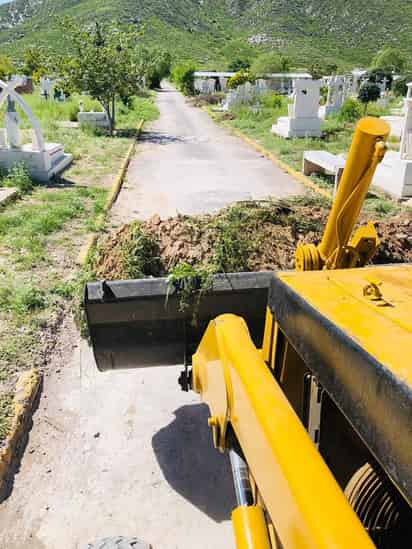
[[372, 305]]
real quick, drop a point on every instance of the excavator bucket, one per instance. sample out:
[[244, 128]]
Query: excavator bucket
[[140, 323]]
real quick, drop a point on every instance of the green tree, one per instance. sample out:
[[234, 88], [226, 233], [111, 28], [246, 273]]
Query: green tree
[[400, 87], [269, 63], [160, 62], [378, 75], [104, 61], [6, 67], [368, 92], [239, 64], [35, 62], [389, 58], [184, 77]]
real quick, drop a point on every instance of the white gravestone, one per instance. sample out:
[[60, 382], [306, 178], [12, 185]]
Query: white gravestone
[[394, 173], [303, 119], [244, 95], [358, 78], [335, 98], [11, 125], [92, 118], [42, 160], [46, 87]]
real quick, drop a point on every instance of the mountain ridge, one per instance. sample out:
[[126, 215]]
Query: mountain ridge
[[308, 30]]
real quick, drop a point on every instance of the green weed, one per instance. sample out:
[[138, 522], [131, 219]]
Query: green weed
[[19, 178], [141, 255], [22, 298]]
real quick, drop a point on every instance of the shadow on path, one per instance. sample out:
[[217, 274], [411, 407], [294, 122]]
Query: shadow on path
[[158, 138], [192, 466]]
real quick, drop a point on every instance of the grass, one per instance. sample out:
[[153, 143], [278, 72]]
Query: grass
[[41, 234]]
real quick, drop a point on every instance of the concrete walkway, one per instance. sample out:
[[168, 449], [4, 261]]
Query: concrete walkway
[[128, 453], [188, 164]]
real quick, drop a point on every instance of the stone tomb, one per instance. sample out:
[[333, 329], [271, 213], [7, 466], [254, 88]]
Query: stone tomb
[[303, 119], [394, 173], [93, 119], [42, 160]]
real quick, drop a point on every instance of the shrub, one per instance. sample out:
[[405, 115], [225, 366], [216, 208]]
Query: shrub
[[239, 79], [369, 92], [18, 177], [271, 101], [351, 111], [239, 64], [400, 88], [184, 78], [74, 110]]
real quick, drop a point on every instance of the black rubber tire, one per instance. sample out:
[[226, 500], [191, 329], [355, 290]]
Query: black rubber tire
[[118, 543]]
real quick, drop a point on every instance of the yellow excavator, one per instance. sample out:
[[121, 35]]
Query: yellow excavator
[[307, 375]]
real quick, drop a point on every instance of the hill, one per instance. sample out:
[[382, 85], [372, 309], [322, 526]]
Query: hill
[[214, 31]]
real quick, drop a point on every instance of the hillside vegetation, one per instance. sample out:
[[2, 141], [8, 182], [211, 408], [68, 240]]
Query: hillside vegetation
[[213, 31]]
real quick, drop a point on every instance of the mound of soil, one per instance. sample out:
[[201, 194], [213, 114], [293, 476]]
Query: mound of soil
[[251, 236]]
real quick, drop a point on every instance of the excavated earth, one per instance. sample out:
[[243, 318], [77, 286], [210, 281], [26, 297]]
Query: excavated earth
[[266, 232]]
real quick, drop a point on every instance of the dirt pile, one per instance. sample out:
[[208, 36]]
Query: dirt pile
[[248, 236]]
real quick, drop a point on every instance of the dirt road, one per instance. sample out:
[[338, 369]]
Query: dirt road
[[128, 453]]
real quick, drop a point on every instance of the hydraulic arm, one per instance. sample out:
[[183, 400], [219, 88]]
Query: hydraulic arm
[[336, 250]]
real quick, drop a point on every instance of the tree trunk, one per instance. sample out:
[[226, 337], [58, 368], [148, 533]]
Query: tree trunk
[[113, 113], [108, 111]]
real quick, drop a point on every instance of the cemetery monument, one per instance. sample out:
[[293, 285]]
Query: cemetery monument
[[303, 119], [93, 119], [42, 160], [394, 173]]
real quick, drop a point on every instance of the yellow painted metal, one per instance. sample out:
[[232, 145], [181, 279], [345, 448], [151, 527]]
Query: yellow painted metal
[[367, 150], [303, 500], [250, 528], [373, 305]]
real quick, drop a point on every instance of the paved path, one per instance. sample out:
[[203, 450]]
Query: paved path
[[188, 164], [129, 453]]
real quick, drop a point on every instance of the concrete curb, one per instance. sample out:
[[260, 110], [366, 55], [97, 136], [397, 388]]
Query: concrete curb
[[111, 199], [27, 389]]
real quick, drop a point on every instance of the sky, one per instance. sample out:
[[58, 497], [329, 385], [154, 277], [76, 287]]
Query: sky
[[4, 1]]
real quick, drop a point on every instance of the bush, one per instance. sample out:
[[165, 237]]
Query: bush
[[239, 79], [239, 64], [369, 92], [184, 78], [74, 110], [351, 111], [271, 101], [400, 88], [18, 177]]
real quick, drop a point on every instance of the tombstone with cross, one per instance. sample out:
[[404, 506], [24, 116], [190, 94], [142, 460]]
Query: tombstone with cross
[[43, 160], [303, 119]]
